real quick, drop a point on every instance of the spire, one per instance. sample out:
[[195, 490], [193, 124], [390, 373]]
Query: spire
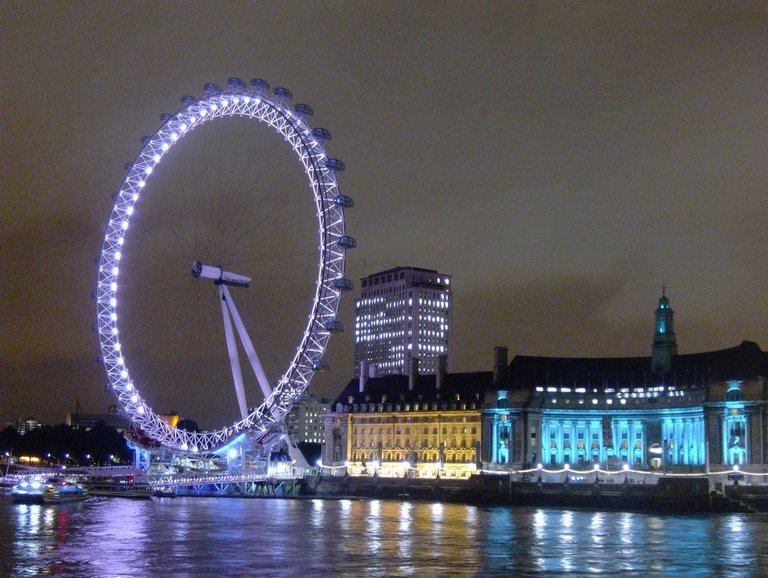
[[664, 341]]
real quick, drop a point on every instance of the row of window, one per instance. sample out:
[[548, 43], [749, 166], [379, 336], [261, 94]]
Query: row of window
[[414, 420], [388, 278], [452, 456], [382, 407], [423, 444], [362, 431]]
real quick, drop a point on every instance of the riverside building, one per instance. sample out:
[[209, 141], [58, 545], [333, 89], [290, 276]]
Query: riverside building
[[666, 411], [414, 425], [305, 421], [402, 314]]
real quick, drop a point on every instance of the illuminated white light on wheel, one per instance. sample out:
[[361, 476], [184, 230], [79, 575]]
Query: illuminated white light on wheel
[[326, 299]]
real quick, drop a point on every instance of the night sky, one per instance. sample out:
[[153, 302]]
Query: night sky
[[561, 160]]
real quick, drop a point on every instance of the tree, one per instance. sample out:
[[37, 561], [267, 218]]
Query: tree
[[188, 425], [9, 440]]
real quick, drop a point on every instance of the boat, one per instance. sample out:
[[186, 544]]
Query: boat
[[53, 491], [165, 492], [120, 488], [59, 490], [29, 492]]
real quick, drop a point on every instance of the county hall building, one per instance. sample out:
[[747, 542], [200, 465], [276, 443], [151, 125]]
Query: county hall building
[[681, 412]]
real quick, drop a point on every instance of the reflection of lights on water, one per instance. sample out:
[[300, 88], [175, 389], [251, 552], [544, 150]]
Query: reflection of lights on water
[[344, 516], [566, 540], [625, 525], [542, 544], [317, 515], [567, 561], [405, 543], [48, 514], [437, 512], [735, 525], [471, 526], [406, 516], [34, 520], [737, 545], [596, 527], [373, 529], [389, 537]]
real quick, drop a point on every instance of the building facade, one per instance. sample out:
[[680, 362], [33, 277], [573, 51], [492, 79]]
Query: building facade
[[665, 412], [306, 420], [402, 314], [26, 425], [416, 425]]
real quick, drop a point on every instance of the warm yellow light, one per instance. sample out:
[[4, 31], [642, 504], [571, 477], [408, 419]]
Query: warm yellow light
[[29, 459], [171, 420]]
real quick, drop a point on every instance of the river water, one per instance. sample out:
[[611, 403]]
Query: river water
[[111, 537]]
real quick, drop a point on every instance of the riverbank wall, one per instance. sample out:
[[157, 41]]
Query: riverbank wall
[[672, 495]]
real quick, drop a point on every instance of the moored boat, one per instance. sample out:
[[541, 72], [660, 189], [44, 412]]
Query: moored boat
[[58, 491], [165, 492], [120, 489], [29, 492]]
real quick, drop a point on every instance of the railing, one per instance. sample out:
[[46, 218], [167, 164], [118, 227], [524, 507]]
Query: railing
[[627, 474], [186, 479], [162, 480]]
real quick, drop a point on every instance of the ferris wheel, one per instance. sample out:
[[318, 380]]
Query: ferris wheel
[[270, 108]]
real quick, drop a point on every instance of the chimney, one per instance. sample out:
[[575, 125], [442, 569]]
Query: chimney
[[442, 369], [363, 375], [413, 372], [499, 363], [373, 370]]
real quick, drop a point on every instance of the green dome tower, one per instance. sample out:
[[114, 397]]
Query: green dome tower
[[664, 342]]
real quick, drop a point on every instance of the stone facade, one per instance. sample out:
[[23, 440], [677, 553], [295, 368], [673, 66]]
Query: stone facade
[[665, 412]]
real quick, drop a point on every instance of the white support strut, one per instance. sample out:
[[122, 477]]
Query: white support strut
[[250, 350], [234, 358]]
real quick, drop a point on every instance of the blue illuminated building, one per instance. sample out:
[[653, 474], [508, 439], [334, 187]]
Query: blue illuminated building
[[666, 411]]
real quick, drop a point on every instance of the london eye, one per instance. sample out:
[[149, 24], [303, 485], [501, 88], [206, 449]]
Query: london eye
[[208, 259]]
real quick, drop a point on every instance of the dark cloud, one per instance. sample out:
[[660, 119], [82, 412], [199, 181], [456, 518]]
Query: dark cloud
[[561, 161], [48, 274]]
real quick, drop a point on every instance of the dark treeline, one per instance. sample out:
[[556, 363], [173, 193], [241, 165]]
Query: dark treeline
[[53, 443]]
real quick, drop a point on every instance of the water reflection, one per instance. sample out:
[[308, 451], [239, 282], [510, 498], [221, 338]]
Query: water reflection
[[405, 540], [374, 529], [213, 537], [31, 520]]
